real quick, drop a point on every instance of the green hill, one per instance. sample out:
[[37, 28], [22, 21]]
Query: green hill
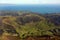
[[30, 24]]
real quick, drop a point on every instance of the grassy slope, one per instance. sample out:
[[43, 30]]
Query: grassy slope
[[28, 25]]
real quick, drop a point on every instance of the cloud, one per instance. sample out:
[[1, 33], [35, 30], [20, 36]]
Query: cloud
[[20, 1], [29, 1], [50, 1]]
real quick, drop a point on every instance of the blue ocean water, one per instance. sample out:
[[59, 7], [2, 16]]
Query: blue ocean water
[[33, 8]]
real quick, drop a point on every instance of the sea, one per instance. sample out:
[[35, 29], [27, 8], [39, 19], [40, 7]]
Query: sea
[[32, 8]]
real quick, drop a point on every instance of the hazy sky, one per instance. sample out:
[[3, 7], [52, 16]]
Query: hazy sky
[[29, 1]]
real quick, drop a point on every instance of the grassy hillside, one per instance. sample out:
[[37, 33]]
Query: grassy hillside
[[29, 25]]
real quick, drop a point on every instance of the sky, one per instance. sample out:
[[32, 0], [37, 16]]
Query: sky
[[29, 2]]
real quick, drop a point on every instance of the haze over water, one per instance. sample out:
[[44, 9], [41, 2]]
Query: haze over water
[[33, 8]]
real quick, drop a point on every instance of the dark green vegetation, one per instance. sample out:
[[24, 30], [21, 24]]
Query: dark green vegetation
[[29, 24]]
